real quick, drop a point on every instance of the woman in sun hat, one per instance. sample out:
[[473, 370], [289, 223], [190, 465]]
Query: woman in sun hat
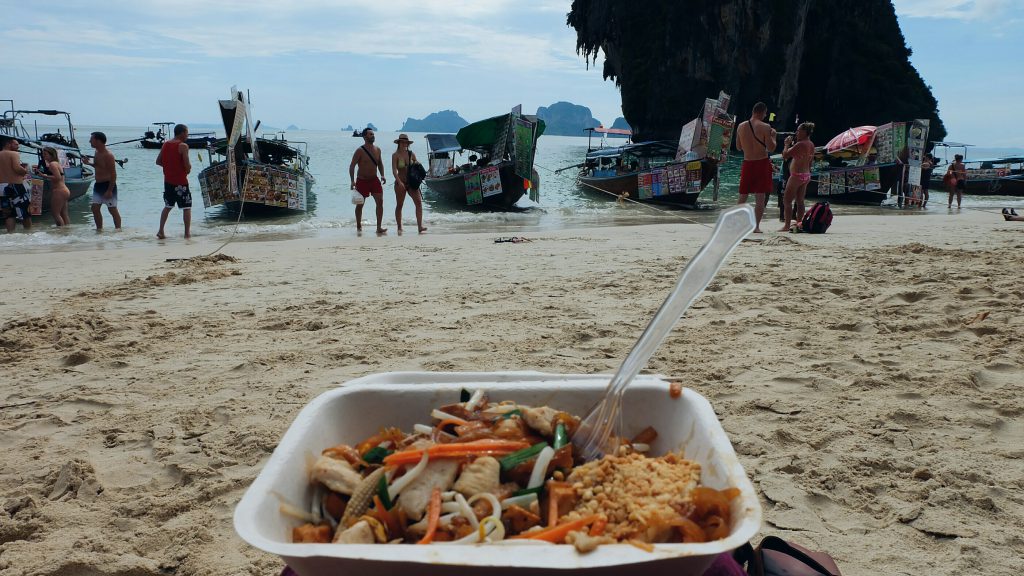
[[400, 162]]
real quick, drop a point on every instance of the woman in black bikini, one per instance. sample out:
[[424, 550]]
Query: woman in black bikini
[[401, 159]]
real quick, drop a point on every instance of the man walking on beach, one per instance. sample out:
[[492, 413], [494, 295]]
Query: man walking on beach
[[104, 191], [367, 158], [15, 197], [173, 158], [756, 139]]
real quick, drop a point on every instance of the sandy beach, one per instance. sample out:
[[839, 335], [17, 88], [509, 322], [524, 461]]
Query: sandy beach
[[870, 378]]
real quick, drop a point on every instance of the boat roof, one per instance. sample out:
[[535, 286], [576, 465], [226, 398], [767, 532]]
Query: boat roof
[[999, 160], [485, 133], [642, 149], [603, 130], [443, 143], [951, 144]]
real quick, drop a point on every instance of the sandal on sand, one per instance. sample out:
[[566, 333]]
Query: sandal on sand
[[513, 239], [1006, 211], [1013, 212]]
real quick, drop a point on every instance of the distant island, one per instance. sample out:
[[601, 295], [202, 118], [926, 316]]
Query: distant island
[[445, 121], [566, 119], [347, 128], [292, 127]]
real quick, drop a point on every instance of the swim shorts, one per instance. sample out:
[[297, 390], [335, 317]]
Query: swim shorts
[[367, 186], [756, 177], [961, 184], [99, 191], [177, 194], [14, 201]]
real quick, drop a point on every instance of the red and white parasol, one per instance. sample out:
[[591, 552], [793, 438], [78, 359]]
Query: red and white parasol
[[853, 139]]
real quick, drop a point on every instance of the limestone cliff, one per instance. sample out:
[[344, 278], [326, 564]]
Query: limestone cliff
[[838, 66], [444, 121]]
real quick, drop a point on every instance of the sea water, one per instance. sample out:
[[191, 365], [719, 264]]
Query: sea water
[[563, 203]]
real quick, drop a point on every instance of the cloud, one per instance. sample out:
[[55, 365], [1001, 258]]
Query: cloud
[[986, 10]]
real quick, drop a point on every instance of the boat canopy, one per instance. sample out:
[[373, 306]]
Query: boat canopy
[[641, 149], [951, 144], [485, 133], [1000, 160], [443, 143], [603, 130]]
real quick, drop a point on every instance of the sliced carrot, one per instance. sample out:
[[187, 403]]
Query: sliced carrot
[[387, 517], [457, 421], [598, 528], [486, 447], [557, 534], [433, 516]]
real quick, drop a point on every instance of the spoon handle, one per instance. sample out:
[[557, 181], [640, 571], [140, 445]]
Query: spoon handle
[[732, 226]]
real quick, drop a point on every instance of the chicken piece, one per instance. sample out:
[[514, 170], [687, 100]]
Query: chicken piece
[[416, 496], [338, 475], [311, 533], [541, 419], [585, 542], [359, 533], [481, 475]]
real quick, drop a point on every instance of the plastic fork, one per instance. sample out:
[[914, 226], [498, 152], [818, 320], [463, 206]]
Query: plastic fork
[[600, 430]]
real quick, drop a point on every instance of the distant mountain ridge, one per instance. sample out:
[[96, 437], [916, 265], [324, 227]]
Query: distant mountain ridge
[[566, 119], [443, 121]]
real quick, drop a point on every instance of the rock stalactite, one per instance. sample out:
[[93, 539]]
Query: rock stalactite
[[808, 58]]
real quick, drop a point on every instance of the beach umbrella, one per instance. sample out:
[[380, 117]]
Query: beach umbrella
[[851, 139]]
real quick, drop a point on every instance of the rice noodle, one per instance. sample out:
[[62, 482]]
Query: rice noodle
[[497, 409], [641, 447], [474, 400], [314, 506], [288, 509], [423, 429], [540, 468], [407, 478]]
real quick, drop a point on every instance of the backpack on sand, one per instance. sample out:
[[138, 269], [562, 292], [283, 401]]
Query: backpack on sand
[[777, 557], [817, 219]]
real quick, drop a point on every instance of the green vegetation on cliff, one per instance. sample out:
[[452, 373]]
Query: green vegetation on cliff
[[835, 65]]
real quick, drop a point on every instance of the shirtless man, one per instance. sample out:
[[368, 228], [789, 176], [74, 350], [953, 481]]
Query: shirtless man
[[15, 197], [800, 155], [367, 158], [104, 191], [756, 139]]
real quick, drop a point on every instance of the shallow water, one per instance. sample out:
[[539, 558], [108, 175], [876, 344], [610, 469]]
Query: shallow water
[[562, 205]]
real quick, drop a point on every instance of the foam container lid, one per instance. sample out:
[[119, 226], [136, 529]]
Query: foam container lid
[[363, 406]]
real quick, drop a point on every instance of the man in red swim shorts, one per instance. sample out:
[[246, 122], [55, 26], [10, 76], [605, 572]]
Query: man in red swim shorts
[[367, 158], [756, 139]]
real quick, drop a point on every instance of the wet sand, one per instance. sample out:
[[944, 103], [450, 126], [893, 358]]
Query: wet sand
[[870, 378]]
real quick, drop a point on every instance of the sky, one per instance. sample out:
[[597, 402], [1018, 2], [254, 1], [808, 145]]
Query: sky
[[325, 64]]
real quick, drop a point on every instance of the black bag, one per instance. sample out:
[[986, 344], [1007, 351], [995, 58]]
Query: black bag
[[777, 557], [817, 219], [414, 175]]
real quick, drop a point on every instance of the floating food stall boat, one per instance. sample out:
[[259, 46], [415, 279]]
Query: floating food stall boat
[[662, 171], [1001, 176], [164, 130], [874, 166], [272, 177], [78, 176], [498, 172]]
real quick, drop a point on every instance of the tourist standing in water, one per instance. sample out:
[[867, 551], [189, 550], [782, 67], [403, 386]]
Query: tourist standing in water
[[367, 158], [104, 191], [959, 182], [173, 158], [756, 139], [800, 154], [14, 196], [59, 193], [400, 162]]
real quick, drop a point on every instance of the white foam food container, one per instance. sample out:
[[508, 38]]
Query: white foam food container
[[360, 408]]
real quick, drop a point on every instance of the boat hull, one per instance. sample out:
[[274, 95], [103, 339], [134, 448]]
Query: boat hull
[[1006, 186], [277, 195], [611, 187], [889, 178], [451, 190]]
